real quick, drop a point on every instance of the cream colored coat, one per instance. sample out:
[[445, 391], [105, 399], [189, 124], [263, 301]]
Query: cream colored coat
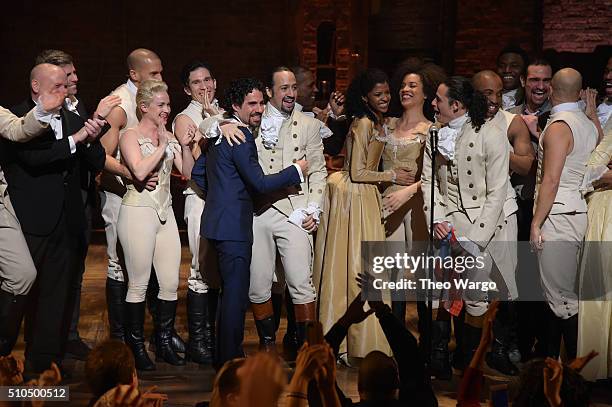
[[483, 162]]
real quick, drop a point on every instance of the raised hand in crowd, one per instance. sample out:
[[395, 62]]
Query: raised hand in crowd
[[553, 378], [262, 380], [11, 371], [309, 360], [580, 362], [589, 97], [355, 313], [51, 102], [106, 105], [325, 377], [336, 103]]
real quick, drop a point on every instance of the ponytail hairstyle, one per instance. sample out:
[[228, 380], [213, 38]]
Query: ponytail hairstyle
[[145, 93], [460, 89]]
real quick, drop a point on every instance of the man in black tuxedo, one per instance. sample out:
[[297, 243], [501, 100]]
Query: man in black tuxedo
[[76, 347], [231, 177], [44, 181]]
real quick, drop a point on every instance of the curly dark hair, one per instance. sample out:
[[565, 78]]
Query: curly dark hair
[[574, 389], [431, 76], [190, 67], [359, 89], [460, 89], [237, 91]]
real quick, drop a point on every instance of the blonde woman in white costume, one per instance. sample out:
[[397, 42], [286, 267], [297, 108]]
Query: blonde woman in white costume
[[146, 226]]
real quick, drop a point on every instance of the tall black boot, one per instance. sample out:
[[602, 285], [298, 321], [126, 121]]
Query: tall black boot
[[135, 335], [459, 361], [213, 302], [277, 306], [440, 361], [166, 312], [290, 340], [12, 308], [398, 308], [266, 333], [115, 301], [264, 322], [569, 329], [176, 342], [198, 349], [304, 313]]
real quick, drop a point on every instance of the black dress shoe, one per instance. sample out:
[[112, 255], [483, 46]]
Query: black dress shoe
[[77, 349]]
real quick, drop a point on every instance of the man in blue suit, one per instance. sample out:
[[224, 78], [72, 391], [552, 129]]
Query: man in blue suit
[[231, 177]]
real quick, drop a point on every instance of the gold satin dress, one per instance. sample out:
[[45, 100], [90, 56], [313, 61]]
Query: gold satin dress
[[408, 222], [351, 214], [595, 317]]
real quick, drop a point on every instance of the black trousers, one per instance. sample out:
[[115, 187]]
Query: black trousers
[[82, 246], [51, 299]]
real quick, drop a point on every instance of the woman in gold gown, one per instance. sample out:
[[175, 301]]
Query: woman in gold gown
[[352, 213], [594, 316], [414, 83]]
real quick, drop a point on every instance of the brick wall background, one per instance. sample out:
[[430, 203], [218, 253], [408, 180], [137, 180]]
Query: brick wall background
[[245, 37], [576, 25], [485, 27]]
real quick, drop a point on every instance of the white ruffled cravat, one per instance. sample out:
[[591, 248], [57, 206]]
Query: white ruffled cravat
[[604, 111], [509, 99], [447, 136], [271, 123]]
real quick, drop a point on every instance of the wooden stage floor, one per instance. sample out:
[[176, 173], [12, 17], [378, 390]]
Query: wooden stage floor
[[192, 383]]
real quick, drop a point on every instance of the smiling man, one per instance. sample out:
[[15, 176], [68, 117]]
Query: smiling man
[[511, 64], [285, 220]]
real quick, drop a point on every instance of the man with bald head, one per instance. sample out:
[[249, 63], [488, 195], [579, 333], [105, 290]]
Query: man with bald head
[[560, 216], [521, 159], [44, 181]]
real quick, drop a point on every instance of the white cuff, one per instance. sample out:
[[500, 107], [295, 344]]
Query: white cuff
[[41, 115], [72, 145], [299, 169]]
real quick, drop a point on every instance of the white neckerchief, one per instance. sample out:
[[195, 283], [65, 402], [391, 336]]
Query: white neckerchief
[[565, 107], [604, 110], [509, 99], [72, 105], [447, 136], [271, 123], [131, 87]]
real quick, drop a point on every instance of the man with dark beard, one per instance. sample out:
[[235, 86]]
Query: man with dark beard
[[231, 179], [284, 220]]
